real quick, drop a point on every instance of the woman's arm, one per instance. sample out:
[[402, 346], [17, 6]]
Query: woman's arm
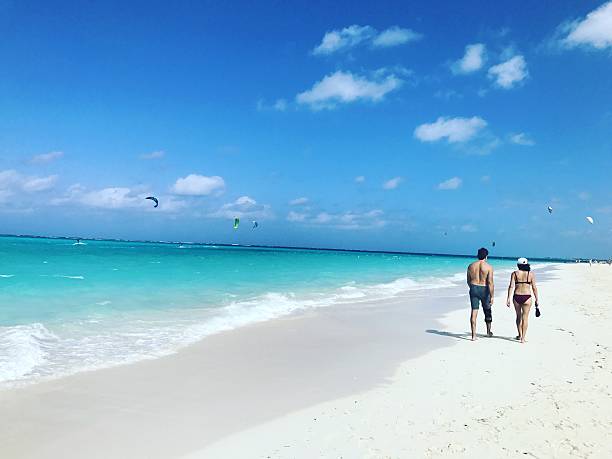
[[510, 289], [535, 289]]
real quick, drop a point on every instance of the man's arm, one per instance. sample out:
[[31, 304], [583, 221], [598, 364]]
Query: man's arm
[[468, 276], [491, 285]]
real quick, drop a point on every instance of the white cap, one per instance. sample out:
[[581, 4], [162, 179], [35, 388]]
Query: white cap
[[522, 261]]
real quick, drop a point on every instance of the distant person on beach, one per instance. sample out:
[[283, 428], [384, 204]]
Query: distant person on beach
[[480, 282], [522, 285]]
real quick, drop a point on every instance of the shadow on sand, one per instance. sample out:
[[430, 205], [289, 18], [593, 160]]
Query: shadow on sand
[[468, 336]]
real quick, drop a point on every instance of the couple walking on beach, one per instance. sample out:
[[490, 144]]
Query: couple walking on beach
[[482, 291]]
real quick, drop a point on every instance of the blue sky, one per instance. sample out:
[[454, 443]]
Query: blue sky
[[418, 126]]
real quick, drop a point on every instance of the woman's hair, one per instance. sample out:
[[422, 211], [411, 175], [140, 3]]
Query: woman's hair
[[524, 267]]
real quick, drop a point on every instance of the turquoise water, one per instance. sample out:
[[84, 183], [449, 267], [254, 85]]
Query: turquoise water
[[66, 308]]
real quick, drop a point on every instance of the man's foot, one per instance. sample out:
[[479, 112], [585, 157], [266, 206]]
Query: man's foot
[[473, 338], [523, 340], [490, 334], [517, 337]]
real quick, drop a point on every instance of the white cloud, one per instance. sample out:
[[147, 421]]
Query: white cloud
[[46, 157], [323, 217], [338, 40], [9, 177], [360, 179], [522, 139], [344, 87], [34, 184], [392, 184], [11, 182], [468, 228], [244, 206], [509, 73], [296, 216], [354, 35], [595, 30], [394, 36], [450, 184], [584, 195], [453, 129], [153, 155], [111, 198], [472, 60], [198, 185], [344, 220], [116, 198], [298, 201], [485, 178], [280, 105]]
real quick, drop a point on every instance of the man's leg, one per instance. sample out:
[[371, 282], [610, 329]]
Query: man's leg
[[488, 313], [473, 317], [474, 304], [488, 316]]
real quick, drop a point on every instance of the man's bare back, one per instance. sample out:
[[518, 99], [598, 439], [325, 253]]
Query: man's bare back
[[479, 273]]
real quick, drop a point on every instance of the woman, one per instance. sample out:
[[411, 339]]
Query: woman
[[522, 283]]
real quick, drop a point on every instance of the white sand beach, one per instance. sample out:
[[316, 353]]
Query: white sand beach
[[374, 380]]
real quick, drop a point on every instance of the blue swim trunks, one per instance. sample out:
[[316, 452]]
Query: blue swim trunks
[[480, 294]]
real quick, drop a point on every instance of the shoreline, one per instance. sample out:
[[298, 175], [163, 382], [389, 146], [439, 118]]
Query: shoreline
[[398, 289]]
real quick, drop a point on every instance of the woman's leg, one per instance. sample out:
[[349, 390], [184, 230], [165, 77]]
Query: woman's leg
[[517, 309], [526, 307]]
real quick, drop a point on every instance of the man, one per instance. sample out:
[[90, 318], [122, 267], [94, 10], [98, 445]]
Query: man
[[480, 281]]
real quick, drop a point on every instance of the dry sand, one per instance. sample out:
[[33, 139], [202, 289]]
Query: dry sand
[[368, 380]]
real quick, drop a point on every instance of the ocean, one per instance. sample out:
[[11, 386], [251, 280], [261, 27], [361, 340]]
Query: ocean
[[66, 307]]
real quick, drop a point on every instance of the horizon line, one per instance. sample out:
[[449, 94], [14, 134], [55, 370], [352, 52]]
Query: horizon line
[[328, 249]]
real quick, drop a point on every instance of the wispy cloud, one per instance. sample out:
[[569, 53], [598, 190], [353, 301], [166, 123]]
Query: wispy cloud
[[522, 139], [360, 179], [117, 198], [450, 184], [468, 228], [509, 73], [296, 216], [198, 185], [298, 201], [454, 130], [13, 182], [338, 40], [392, 184], [153, 155], [584, 195], [345, 87], [395, 36], [595, 30], [244, 206], [343, 220], [472, 60], [45, 158], [354, 35], [280, 105]]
